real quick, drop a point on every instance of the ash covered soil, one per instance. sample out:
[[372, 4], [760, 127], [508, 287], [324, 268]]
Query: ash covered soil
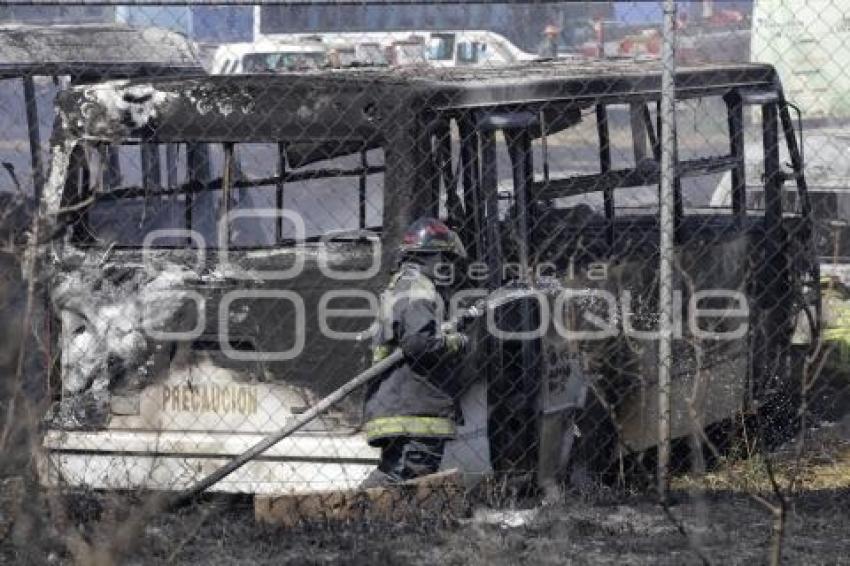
[[728, 528], [735, 529], [717, 518]]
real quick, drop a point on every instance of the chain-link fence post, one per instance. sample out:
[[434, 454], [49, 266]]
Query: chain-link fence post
[[667, 205]]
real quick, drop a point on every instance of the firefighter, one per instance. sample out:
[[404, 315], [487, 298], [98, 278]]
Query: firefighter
[[548, 48], [411, 413]]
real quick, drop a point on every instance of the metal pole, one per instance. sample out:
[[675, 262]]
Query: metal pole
[[227, 177], [667, 208], [34, 137], [364, 179], [279, 188], [604, 168]]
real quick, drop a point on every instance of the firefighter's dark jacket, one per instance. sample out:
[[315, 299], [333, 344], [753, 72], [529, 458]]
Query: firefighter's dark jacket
[[416, 398]]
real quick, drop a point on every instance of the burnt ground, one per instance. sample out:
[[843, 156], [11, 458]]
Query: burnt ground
[[718, 512], [636, 531], [727, 527]]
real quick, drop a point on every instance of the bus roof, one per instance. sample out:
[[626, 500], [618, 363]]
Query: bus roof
[[341, 104]]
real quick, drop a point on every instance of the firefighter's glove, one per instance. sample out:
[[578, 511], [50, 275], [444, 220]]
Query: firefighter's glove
[[473, 312], [470, 315], [456, 342], [464, 319]]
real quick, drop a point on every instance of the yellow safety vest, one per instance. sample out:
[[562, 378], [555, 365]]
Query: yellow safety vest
[[836, 320], [412, 426]]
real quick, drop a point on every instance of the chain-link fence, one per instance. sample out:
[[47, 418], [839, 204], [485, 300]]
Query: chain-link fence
[[576, 304]]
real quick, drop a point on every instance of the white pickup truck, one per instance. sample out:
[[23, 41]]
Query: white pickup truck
[[444, 48]]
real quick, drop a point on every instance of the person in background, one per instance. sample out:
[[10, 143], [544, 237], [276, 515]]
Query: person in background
[[548, 48]]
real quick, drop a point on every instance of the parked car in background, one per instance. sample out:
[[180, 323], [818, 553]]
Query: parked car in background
[[411, 51], [444, 48], [268, 57]]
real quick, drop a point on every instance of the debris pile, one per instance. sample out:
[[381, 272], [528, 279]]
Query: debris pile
[[107, 314]]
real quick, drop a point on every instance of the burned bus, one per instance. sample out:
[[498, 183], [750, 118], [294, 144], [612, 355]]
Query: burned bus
[[37, 62], [204, 304]]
